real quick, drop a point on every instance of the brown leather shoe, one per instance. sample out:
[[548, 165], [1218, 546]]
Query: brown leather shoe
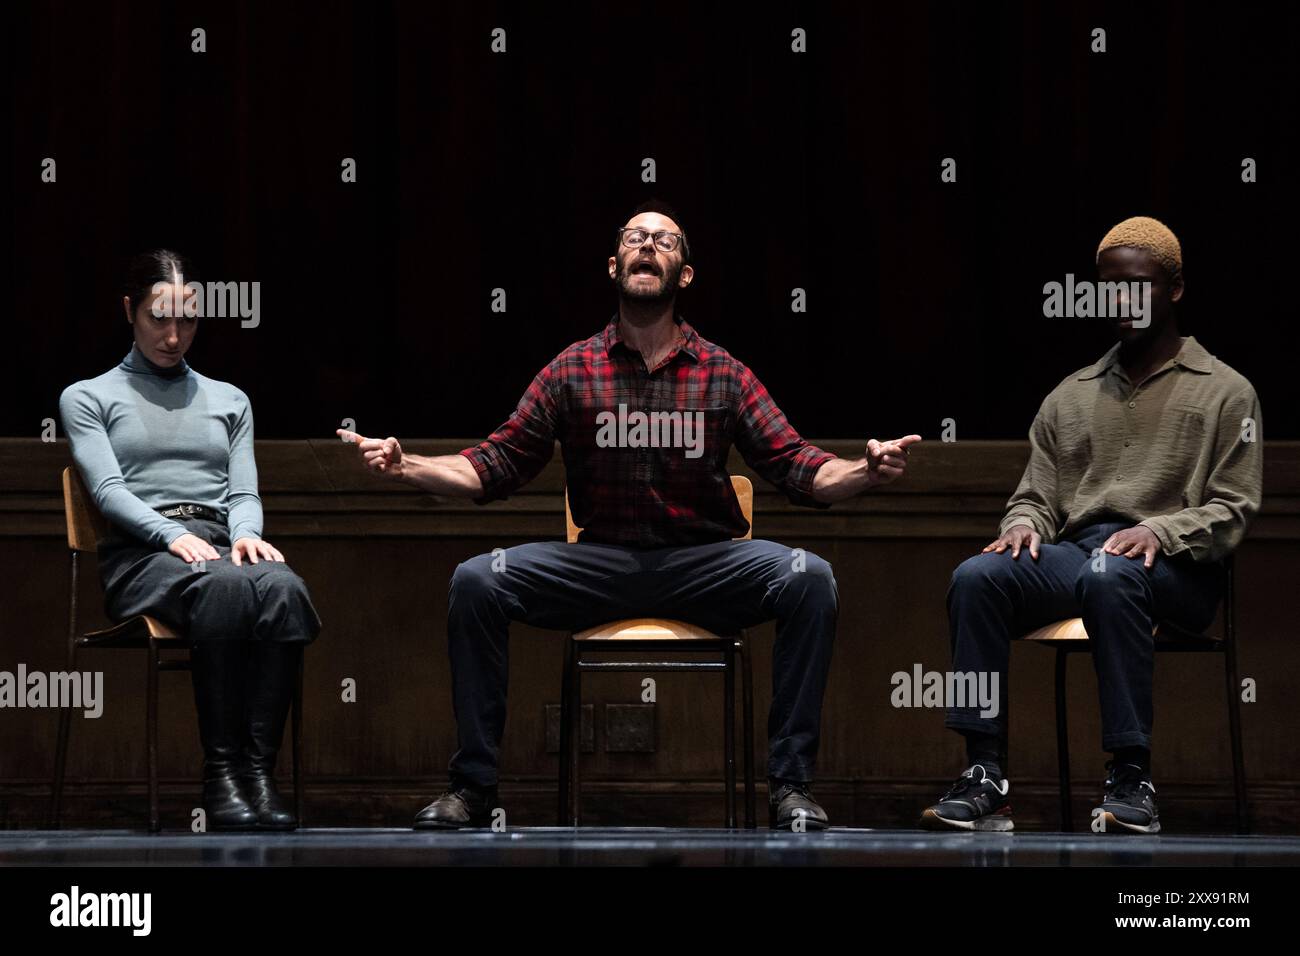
[[460, 807], [788, 800]]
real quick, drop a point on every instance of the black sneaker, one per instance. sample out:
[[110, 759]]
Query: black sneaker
[[788, 801], [1129, 802], [461, 806], [974, 802]]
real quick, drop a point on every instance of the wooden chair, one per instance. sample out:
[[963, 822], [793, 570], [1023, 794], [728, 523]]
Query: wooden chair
[[659, 634], [86, 528], [1069, 637]]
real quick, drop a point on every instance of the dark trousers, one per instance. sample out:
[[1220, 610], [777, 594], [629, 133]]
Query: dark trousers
[[214, 601], [722, 587], [995, 598], [249, 625]]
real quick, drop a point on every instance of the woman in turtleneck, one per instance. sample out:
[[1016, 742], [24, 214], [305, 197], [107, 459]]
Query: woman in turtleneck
[[152, 434]]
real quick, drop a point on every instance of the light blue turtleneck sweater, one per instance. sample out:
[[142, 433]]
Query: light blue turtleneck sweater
[[144, 436]]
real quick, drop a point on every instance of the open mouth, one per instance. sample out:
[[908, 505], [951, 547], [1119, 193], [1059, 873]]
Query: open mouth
[[644, 268]]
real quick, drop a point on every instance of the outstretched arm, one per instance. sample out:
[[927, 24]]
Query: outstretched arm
[[842, 478], [807, 474], [509, 458], [451, 475]]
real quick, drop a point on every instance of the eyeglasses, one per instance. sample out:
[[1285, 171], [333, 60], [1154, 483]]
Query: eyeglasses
[[664, 241]]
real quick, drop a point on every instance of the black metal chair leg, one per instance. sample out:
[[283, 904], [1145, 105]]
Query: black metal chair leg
[[65, 714], [575, 736], [566, 691], [297, 742], [151, 719], [1063, 743], [1234, 731], [569, 790], [729, 732], [1004, 745], [747, 703], [60, 766]]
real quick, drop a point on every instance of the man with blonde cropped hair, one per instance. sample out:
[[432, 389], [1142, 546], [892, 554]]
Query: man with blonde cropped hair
[[1143, 475]]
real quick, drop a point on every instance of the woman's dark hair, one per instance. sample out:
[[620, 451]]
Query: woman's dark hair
[[149, 268]]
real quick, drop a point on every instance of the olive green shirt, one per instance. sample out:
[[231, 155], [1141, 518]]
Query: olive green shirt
[[1181, 454]]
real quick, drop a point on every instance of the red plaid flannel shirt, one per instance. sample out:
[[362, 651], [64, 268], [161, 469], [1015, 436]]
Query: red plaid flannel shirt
[[648, 497]]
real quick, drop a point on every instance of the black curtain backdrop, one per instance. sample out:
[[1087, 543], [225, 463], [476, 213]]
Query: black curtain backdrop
[[479, 170]]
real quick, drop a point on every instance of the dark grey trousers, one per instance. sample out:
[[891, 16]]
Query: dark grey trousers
[[209, 601]]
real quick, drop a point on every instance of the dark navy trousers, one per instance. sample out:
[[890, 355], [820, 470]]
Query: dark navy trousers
[[995, 598], [721, 586]]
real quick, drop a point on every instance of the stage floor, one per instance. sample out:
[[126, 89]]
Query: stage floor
[[548, 846]]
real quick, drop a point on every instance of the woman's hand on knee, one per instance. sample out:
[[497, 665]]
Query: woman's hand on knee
[[253, 549], [190, 548]]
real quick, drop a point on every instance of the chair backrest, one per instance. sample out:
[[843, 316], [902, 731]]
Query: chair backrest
[[743, 487], [86, 526]]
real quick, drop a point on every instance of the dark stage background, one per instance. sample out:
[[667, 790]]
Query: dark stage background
[[479, 170]]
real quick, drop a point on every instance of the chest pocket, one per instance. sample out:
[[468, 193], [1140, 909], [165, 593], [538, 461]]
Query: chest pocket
[[1184, 424], [695, 435]]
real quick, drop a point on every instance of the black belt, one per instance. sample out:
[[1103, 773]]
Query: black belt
[[190, 511]]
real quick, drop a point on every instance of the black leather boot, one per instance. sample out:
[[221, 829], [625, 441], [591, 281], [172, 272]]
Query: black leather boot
[[272, 676], [217, 669]]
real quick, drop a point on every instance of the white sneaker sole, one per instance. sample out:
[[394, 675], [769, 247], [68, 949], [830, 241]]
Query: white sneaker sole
[[1119, 826], [994, 823]]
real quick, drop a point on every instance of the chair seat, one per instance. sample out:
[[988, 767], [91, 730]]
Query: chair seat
[[133, 632], [646, 629], [1072, 629]]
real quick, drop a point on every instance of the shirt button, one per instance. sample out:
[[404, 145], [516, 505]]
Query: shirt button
[[1132, 404], [1119, 477], [1127, 443]]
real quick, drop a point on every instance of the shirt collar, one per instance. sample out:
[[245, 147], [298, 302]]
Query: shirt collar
[[690, 347], [1192, 356]]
